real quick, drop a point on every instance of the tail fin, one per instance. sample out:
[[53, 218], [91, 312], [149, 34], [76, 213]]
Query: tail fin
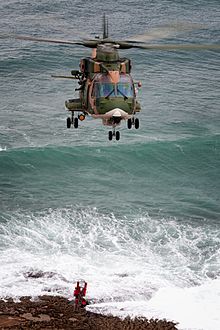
[[105, 27]]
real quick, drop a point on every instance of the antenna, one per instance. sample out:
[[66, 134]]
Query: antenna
[[105, 27]]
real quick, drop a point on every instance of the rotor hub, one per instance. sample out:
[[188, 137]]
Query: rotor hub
[[107, 53]]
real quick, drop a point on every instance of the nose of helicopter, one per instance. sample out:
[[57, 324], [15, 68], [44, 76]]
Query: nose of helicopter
[[117, 116], [116, 113]]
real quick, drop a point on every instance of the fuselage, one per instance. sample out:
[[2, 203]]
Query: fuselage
[[107, 89]]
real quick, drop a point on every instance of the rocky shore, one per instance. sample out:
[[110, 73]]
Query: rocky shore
[[58, 313]]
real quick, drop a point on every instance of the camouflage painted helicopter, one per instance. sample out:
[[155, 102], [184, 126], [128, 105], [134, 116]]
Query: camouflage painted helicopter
[[107, 89]]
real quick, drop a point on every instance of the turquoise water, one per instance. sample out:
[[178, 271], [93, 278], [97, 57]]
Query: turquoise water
[[139, 215]]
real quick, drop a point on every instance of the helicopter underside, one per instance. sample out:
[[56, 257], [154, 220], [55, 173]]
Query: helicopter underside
[[111, 118]]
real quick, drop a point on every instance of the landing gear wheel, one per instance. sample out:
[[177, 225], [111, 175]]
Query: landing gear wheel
[[129, 123], [136, 123], [110, 135], [76, 122], [117, 135], [68, 122]]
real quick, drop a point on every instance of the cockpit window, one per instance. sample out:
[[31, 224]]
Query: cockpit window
[[103, 86], [104, 89], [125, 89]]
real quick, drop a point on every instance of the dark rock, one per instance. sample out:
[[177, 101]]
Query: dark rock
[[57, 313]]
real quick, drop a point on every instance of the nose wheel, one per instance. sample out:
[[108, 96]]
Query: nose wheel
[[114, 133]]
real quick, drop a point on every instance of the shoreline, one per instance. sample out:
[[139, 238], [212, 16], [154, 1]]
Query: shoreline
[[55, 312]]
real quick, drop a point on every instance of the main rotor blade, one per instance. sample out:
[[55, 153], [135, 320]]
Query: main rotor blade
[[91, 43], [179, 47], [163, 32], [56, 41]]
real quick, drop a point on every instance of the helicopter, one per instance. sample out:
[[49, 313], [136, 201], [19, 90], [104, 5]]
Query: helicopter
[[107, 90]]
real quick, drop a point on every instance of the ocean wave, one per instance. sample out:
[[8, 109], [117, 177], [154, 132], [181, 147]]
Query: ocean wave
[[192, 153]]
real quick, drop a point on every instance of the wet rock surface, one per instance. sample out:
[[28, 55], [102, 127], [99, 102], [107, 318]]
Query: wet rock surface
[[58, 313]]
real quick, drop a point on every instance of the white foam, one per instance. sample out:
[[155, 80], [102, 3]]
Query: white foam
[[138, 266], [194, 308]]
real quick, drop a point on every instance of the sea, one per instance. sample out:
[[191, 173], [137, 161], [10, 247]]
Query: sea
[[138, 219]]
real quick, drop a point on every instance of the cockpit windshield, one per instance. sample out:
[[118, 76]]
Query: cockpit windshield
[[104, 87]]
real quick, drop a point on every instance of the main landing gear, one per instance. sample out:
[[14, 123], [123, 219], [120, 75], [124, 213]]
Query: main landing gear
[[133, 122], [74, 120]]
